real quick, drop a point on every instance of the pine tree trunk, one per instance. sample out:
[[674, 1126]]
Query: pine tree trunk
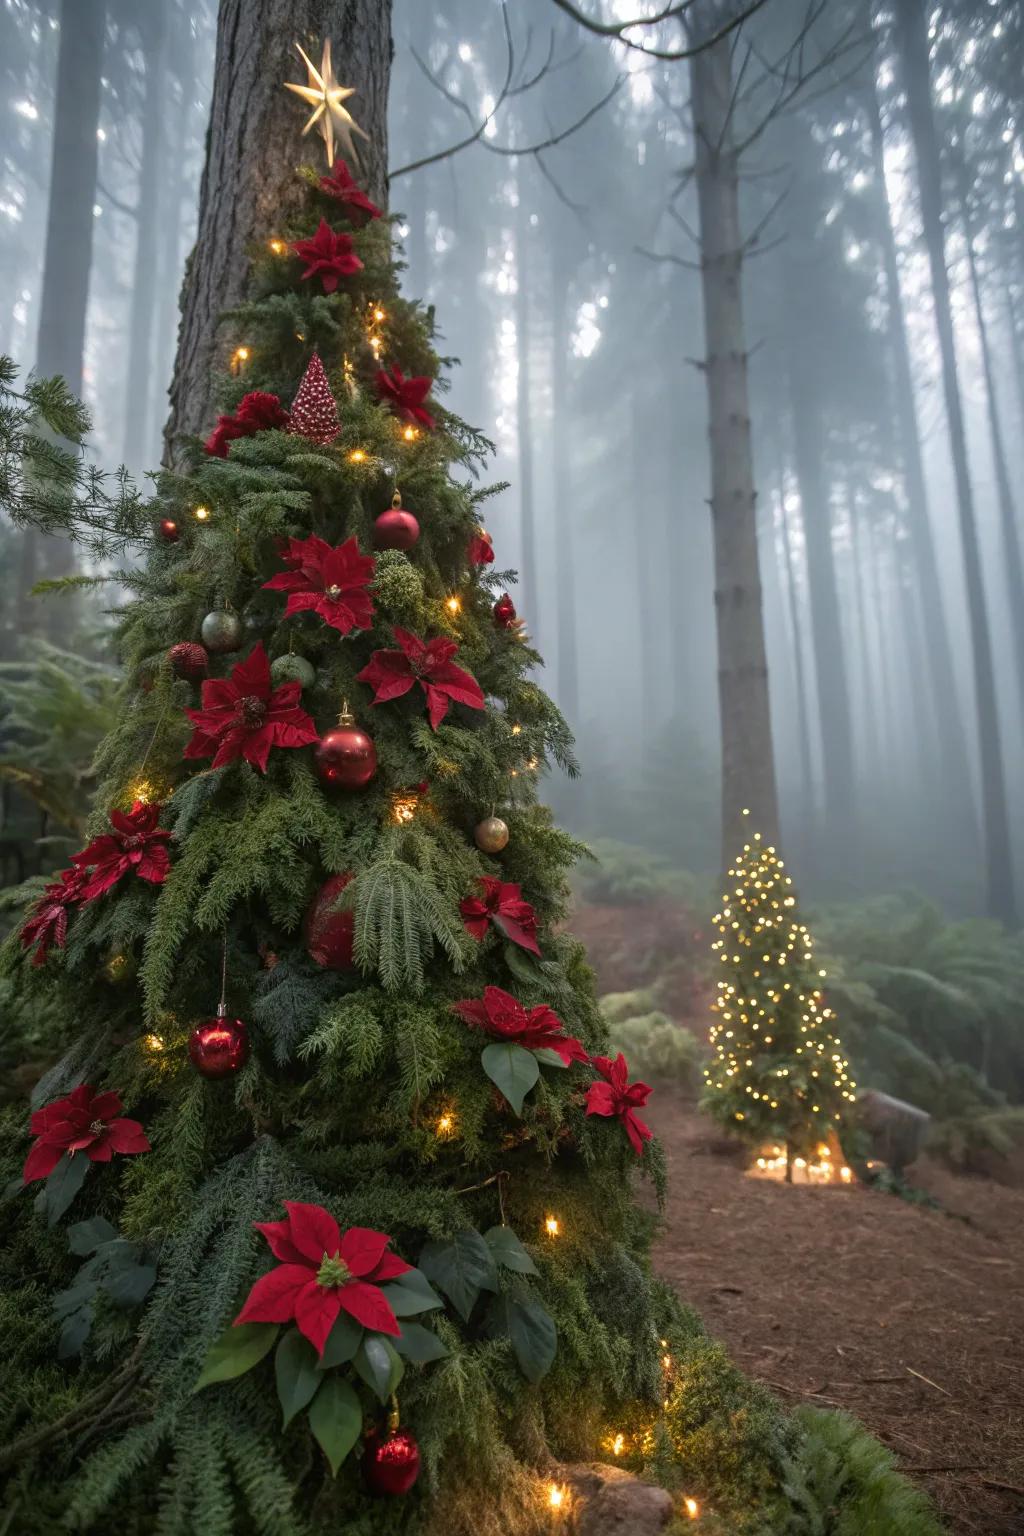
[[66, 266], [1007, 511], [938, 649], [803, 712], [524, 400], [561, 448], [912, 33], [748, 763], [253, 146], [865, 666], [139, 393], [173, 159]]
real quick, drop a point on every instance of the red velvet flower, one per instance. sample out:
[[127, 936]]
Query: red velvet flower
[[242, 716], [83, 1122], [429, 663], [135, 841], [332, 582], [328, 256], [257, 412], [48, 921], [339, 184], [499, 1014], [501, 904], [480, 550], [323, 1273], [406, 396], [618, 1096]]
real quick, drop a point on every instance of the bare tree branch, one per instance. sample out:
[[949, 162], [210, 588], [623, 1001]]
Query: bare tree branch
[[616, 30]]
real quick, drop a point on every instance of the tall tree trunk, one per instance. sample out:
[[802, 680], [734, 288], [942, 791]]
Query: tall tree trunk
[[799, 668], [826, 625], [140, 383], [938, 649], [561, 448], [67, 261], [524, 401], [748, 762], [175, 217], [249, 185], [871, 757], [912, 35], [1007, 511]]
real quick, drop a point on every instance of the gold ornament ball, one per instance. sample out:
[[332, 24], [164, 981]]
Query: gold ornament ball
[[491, 835]]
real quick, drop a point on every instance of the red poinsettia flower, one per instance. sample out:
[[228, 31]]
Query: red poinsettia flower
[[135, 841], [257, 412], [242, 716], [83, 1122], [406, 396], [332, 582], [323, 1273], [618, 1096], [429, 663], [501, 904], [480, 550], [339, 184], [499, 1014], [328, 256], [47, 923]]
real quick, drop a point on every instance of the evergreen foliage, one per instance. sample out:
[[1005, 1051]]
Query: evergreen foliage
[[364, 1091]]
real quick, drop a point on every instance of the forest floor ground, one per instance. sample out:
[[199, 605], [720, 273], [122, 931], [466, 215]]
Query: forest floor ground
[[911, 1318]]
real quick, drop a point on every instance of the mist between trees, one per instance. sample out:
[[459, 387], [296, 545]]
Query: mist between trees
[[784, 276]]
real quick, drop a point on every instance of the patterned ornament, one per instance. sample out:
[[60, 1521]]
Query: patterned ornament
[[314, 409], [292, 669], [169, 530], [391, 1461], [219, 1047], [491, 834], [188, 660], [505, 613], [346, 757], [396, 528], [221, 631], [328, 933]]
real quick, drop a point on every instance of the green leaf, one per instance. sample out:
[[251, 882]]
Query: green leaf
[[511, 1068], [379, 1365], [342, 1341], [86, 1236], [550, 1058], [297, 1372], [66, 1302], [419, 1344], [411, 1295], [461, 1268], [508, 1251], [236, 1351], [74, 1333], [531, 1329], [63, 1184], [336, 1419], [129, 1287]]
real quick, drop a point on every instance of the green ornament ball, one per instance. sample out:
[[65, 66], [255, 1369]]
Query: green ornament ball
[[292, 669], [221, 631]]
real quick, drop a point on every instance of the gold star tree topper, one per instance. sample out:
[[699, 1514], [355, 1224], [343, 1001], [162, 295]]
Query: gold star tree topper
[[327, 98]]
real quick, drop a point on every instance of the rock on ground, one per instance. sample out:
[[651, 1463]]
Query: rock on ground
[[605, 1501]]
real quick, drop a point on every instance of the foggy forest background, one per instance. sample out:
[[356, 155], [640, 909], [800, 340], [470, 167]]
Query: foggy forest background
[[568, 284]]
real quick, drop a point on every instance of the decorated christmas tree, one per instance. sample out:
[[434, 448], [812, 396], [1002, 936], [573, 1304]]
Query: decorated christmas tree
[[326, 1219], [779, 1078]]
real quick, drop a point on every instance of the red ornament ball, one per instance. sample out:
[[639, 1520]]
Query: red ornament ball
[[346, 757], [504, 613], [396, 528], [219, 1047], [391, 1462], [188, 659], [169, 530], [328, 933]]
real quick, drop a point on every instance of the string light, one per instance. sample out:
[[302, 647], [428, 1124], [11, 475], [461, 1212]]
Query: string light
[[357, 456], [517, 730], [143, 790], [277, 246], [445, 1127], [153, 1044], [552, 1226], [404, 807], [200, 514], [453, 604], [556, 1496], [239, 357], [618, 1444], [410, 434], [692, 1508]]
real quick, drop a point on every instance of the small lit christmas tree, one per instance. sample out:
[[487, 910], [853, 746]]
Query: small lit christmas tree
[[779, 1073]]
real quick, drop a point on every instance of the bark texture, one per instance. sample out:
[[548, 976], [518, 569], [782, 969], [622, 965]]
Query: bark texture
[[748, 766], [254, 144], [139, 393], [524, 407], [912, 36]]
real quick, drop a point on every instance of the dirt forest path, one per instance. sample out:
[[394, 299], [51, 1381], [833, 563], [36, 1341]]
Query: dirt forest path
[[911, 1318]]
